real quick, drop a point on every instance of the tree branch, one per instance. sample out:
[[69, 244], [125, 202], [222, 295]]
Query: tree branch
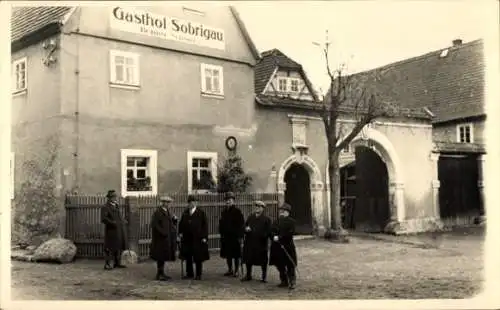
[[330, 74], [354, 132], [341, 131]]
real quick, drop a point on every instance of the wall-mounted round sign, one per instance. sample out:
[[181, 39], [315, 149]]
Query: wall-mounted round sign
[[231, 143]]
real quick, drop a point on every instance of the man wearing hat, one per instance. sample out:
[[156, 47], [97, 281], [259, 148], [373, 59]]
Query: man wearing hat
[[163, 242], [283, 253], [231, 233], [193, 234], [114, 232], [255, 248]]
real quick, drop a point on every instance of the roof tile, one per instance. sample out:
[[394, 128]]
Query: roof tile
[[452, 87], [271, 60], [28, 19]]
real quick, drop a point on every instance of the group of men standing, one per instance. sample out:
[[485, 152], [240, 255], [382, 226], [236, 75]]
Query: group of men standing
[[241, 242]]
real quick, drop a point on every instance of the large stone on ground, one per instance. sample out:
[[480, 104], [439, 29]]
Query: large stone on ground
[[58, 250], [129, 257]]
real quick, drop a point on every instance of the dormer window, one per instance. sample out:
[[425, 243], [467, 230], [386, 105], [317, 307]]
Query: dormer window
[[282, 84], [294, 85], [288, 85]]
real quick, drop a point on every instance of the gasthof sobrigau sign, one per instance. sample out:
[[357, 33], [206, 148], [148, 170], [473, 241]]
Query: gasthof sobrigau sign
[[169, 28]]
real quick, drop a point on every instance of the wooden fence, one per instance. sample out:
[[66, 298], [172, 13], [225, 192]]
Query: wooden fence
[[84, 227]]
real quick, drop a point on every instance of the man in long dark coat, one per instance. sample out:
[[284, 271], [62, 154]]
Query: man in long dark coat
[[193, 234], [283, 253], [163, 242], [114, 232], [231, 233], [255, 247]]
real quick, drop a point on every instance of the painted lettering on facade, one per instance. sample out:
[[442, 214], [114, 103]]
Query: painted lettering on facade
[[168, 28]]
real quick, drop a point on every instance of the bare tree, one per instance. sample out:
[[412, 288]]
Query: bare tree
[[356, 97]]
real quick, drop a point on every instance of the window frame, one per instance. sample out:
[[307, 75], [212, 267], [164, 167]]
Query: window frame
[[290, 85], [15, 63], [136, 82], [153, 171], [279, 79], [204, 91], [213, 156], [471, 132]]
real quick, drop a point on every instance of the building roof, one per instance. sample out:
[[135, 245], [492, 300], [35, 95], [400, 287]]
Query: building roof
[[286, 102], [26, 20], [272, 60], [275, 59], [449, 82], [246, 35]]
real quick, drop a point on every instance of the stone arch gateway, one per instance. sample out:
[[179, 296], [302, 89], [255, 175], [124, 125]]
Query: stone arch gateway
[[316, 186], [383, 147]]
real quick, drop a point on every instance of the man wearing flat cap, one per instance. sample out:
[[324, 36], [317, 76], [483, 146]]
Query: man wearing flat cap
[[163, 242], [255, 247], [114, 232], [231, 233], [193, 234], [283, 253]]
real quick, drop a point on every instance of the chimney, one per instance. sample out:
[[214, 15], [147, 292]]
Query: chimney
[[457, 42]]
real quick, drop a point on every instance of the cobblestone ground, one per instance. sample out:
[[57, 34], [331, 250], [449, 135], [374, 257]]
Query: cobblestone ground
[[447, 266]]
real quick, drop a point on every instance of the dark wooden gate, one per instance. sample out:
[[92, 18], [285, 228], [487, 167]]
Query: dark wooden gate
[[458, 192], [298, 195], [348, 194], [371, 213]]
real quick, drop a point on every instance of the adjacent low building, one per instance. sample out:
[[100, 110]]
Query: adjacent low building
[[449, 84]]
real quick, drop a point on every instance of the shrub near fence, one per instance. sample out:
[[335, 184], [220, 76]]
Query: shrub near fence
[[84, 227]]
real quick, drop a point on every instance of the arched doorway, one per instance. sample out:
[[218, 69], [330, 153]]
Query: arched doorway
[[376, 143], [318, 213], [372, 209], [298, 196]]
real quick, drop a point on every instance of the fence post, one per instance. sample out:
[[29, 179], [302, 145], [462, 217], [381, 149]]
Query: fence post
[[133, 222], [64, 227]]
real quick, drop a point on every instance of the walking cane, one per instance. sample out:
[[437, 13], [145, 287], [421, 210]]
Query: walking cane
[[179, 247], [289, 258], [291, 261], [241, 262]]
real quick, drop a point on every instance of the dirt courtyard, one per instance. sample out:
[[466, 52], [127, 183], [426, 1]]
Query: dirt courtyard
[[449, 266]]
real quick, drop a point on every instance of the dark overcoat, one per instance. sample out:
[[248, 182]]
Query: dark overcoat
[[284, 228], [115, 237], [194, 228], [231, 230], [164, 235], [256, 244]]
